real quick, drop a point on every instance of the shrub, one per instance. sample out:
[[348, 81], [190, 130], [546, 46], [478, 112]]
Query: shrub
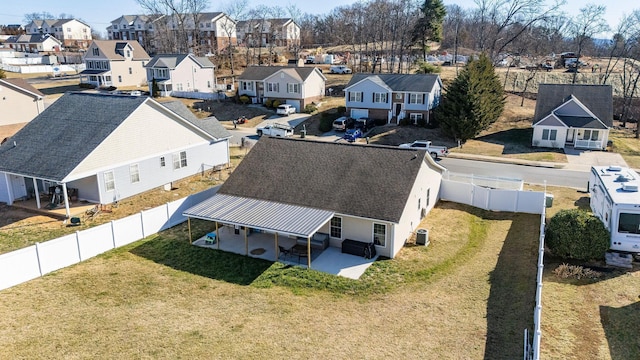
[[577, 234], [565, 271], [326, 122], [244, 99], [310, 108], [87, 86], [380, 122], [404, 122], [422, 122], [276, 103], [341, 109], [268, 103]]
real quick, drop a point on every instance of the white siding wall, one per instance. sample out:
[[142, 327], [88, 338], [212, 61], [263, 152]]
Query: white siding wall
[[251, 92], [137, 77], [191, 76], [367, 88], [282, 78], [313, 86], [360, 229], [152, 175], [427, 178], [147, 132], [16, 107], [558, 143], [87, 188]]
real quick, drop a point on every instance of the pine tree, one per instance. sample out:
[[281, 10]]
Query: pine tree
[[473, 102], [429, 24], [155, 89]]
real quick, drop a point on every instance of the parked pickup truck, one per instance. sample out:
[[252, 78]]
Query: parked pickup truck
[[275, 129], [434, 151]]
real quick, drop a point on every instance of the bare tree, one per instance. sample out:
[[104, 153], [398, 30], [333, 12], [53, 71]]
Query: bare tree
[[37, 16], [235, 10], [589, 22]]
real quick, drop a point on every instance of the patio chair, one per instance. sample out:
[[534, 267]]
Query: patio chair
[[283, 251]]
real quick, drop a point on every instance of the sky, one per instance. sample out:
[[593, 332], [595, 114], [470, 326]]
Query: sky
[[100, 13]]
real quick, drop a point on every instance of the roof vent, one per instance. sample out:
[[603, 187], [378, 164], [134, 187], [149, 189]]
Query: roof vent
[[630, 187], [614, 168]]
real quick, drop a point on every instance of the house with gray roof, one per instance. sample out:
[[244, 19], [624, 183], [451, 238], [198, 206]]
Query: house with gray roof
[[297, 86], [34, 43], [73, 33], [104, 148], [393, 97], [573, 115], [296, 187], [115, 63], [19, 102], [180, 73]]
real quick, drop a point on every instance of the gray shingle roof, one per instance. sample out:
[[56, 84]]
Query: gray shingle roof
[[400, 82], [24, 85], [597, 98], [210, 125], [31, 39], [172, 60], [57, 140], [110, 49], [363, 180], [581, 122], [262, 72]]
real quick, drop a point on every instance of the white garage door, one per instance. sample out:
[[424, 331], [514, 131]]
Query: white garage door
[[295, 104], [359, 113]]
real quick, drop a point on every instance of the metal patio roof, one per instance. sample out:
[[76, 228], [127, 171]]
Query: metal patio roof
[[260, 214]]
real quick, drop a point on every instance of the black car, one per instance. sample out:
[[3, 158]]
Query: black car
[[365, 124]]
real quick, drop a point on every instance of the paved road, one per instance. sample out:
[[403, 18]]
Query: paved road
[[530, 174]]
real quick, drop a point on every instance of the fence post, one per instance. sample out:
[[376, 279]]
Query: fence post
[[78, 243], [142, 223], [38, 258], [113, 234]]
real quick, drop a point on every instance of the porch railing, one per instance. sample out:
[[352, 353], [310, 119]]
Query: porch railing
[[588, 144]]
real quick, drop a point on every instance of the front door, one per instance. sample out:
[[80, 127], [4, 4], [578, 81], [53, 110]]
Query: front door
[[570, 135], [398, 109]]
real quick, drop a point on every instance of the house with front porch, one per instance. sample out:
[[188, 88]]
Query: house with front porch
[[103, 148], [572, 115], [294, 188], [393, 97], [31, 43], [179, 72], [115, 63], [297, 86]]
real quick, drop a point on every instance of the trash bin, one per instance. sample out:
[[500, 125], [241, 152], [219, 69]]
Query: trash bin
[[303, 133], [548, 200], [422, 237]]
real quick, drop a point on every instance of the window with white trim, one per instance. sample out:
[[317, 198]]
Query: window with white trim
[[134, 173], [273, 87], [336, 227], [109, 181], [380, 97], [398, 96], [416, 98], [179, 160], [379, 234], [415, 116], [293, 88], [130, 71], [162, 161], [246, 85], [590, 135], [548, 134], [355, 96]]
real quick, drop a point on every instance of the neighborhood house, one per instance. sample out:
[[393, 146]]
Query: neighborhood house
[[180, 73], [303, 189], [393, 97], [19, 101], [570, 115], [115, 63], [104, 148]]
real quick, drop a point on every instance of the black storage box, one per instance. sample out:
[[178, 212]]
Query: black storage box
[[359, 248]]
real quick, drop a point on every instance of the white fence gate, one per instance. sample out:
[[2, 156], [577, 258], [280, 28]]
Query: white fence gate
[[42, 258]]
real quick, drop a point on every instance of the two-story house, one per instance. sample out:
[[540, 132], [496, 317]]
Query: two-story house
[[177, 72], [262, 32], [216, 32], [393, 97], [296, 86], [115, 63], [71, 32], [133, 27]]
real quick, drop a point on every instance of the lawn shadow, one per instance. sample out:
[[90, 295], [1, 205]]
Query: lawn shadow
[[172, 249], [621, 327], [513, 290], [515, 141]]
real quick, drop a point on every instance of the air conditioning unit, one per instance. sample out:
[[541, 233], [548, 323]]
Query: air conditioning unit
[[630, 187]]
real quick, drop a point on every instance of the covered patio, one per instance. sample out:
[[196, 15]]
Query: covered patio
[[96, 77], [259, 228]]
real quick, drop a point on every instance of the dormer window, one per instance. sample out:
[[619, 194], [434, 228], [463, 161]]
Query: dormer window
[[96, 51], [128, 53]]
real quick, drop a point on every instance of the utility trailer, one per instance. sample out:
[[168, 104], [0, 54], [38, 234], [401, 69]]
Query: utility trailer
[[615, 200]]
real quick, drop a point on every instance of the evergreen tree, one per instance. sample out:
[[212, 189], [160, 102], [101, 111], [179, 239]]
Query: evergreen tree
[[429, 24], [473, 102], [155, 89]]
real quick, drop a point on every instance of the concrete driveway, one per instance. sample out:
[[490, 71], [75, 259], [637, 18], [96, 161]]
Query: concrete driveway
[[584, 159]]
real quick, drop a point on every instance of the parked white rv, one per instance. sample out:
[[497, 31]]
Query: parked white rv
[[615, 200]]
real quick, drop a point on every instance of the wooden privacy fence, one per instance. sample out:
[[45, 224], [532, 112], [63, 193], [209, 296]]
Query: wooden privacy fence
[[42, 258]]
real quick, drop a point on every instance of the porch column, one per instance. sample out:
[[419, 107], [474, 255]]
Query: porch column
[[66, 199], [9, 188], [217, 237], [309, 252], [246, 242], [277, 248], [35, 187]]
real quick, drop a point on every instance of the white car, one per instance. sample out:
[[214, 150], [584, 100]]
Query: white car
[[339, 69], [286, 110]]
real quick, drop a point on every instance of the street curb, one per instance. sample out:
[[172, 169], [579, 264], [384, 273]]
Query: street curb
[[495, 159]]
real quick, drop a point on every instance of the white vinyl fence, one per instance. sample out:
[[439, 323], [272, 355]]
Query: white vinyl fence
[[34, 261], [34, 69], [199, 95], [531, 202], [532, 351]]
